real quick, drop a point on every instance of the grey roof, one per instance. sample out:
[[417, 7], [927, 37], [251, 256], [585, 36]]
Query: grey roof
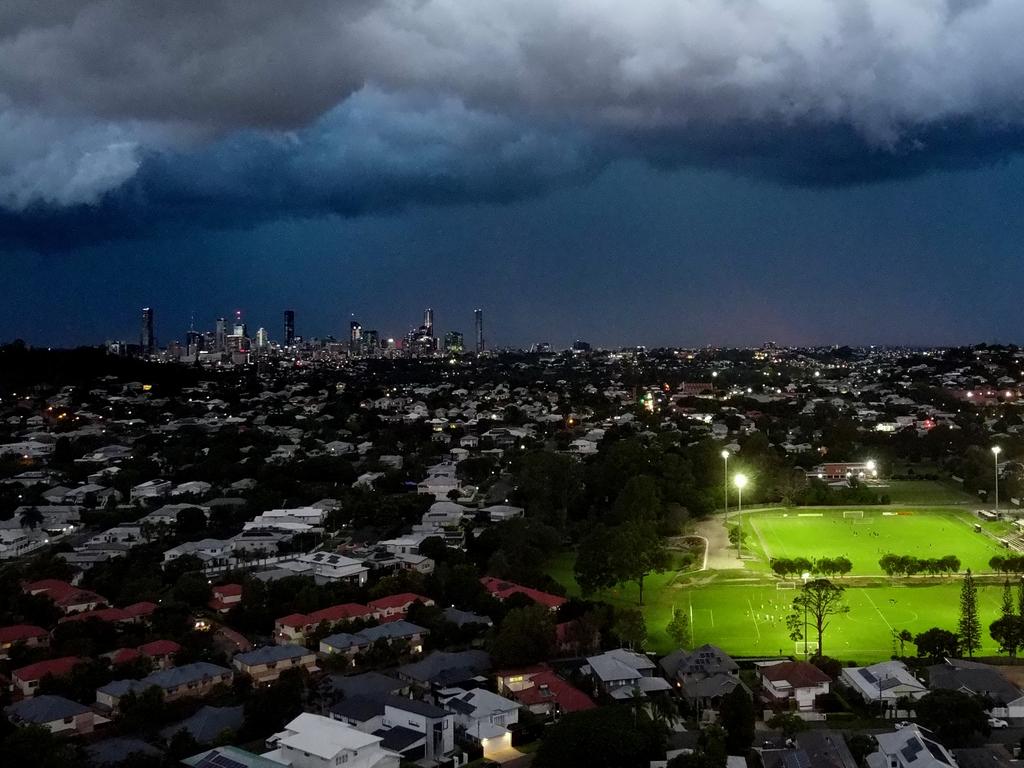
[[464, 618], [423, 708], [167, 678], [826, 748], [391, 631], [399, 738], [445, 667], [707, 660], [117, 749], [991, 756], [44, 709], [208, 723], [342, 641], [367, 684], [977, 678], [272, 653], [360, 708]]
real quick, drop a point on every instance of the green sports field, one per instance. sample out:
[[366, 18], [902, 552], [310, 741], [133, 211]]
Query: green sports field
[[824, 532], [744, 610]]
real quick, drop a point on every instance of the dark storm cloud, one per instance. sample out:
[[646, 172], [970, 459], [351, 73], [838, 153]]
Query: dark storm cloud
[[118, 116]]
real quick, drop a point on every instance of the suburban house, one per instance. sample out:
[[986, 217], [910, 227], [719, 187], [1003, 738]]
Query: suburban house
[[68, 598], [792, 681], [622, 673], [130, 614], [704, 675], [313, 741], [392, 606], [445, 668], [415, 729], [187, 681], [265, 665], [483, 717], [56, 713], [884, 682], [294, 627], [357, 642], [225, 597], [541, 691], [502, 590], [909, 747], [26, 680], [29, 634], [978, 679]]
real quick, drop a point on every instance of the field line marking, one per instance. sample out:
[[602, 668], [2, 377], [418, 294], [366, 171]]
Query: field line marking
[[890, 626], [689, 600], [711, 613], [756, 628]]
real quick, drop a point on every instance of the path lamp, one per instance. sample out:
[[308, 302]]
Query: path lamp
[[741, 481], [725, 483], [996, 450]]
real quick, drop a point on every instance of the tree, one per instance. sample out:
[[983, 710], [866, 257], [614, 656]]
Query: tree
[[526, 636], [1008, 631], [631, 627], [955, 717], [31, 517], [190, 523], [607, 737], [788, 722], [937, 644], [1006, 607], [819, 600], [679, 628], [736, 716], [641, 552], [903, 637], [193, 589], [970, 625]]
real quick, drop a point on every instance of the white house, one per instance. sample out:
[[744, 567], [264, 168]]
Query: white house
[[313, 741], [909, 747], [886, 682], [793, 681], [483, 716]]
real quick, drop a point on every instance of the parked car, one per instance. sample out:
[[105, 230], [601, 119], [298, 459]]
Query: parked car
[[902, 724], [995, 722]]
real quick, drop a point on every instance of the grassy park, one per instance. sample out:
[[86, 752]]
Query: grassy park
[[744, 610]]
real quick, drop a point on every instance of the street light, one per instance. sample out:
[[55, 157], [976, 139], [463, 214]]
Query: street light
[[725, 483], [741, 481], [996, 450]]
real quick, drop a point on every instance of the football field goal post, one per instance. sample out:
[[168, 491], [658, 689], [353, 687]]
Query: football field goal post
[[855, 514]]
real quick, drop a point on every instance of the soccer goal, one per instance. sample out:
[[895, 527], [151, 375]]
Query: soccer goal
[[811, 647], [856, 514], [780, 585]]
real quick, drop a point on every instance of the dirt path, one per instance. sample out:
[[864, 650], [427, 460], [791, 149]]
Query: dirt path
[[720, 556]]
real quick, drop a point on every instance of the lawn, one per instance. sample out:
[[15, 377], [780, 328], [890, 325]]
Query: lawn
[[824, 532], [930, 492]]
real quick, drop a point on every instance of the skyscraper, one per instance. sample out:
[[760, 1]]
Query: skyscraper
[[289, 327], [222, 334], [478, 322], [428, 321], [453, 343], [146, 339], [355, 337]]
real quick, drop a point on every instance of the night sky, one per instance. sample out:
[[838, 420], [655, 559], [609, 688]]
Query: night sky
[[651, 172]]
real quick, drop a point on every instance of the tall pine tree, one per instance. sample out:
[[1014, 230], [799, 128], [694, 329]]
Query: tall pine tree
[[1007, 606], [970, 624]]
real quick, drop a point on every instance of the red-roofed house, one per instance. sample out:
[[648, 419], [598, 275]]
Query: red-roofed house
[[161, 652], [793, 680], [29, 634], [397, 606], [502, 590], [226, 597], [123, 655], [142, 610], [131, 614], [26, 680], [67, 597], [294, 627], [541, 691]]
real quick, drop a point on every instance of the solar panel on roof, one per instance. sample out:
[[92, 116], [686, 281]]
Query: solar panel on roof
[[219, 760], [866, 674], [910, 751]]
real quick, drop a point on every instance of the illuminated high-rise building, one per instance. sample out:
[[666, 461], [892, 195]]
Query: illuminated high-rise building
[[289, 327], [221, 340], [146, 338], [478, 323], [355, 337], [428, 321], [453, 343], [262, 340]]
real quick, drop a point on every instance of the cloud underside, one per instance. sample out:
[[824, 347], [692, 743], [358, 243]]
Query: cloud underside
[[121, 119]]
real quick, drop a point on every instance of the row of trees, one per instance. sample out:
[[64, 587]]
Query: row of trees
[[908, 565], [825, 566], [1007, 564]]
